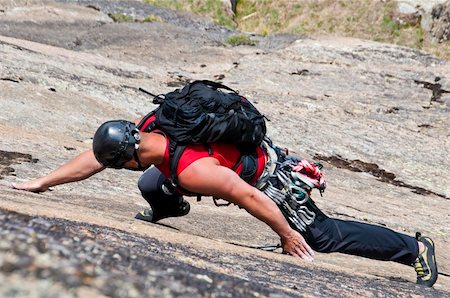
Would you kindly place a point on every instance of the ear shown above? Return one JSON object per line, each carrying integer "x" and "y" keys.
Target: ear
{"x": 131, "y": 165}
{"x": 136, "y": 135}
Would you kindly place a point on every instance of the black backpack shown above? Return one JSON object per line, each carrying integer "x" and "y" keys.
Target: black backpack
{"x": 200, "y": 113}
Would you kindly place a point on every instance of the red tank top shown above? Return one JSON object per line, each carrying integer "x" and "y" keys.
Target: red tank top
{"x": 227, "y": 155}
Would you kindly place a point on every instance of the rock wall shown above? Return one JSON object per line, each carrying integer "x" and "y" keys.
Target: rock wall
{"x": 375, "y": 114}
{"x": 440, "y": 25}
{"x": 434, "y": 16}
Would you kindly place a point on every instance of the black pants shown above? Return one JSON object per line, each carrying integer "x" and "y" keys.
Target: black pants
{"x": 325, "y": 234}
{"x": 159, "y": 195}
{"x": 150, "y": 182}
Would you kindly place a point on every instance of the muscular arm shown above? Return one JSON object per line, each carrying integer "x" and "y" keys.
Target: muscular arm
{"x": 79, "y": 168}
{"x": 206, "y": 176}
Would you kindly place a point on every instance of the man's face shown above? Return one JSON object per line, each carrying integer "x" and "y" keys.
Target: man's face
{"x": 131, "y": 165}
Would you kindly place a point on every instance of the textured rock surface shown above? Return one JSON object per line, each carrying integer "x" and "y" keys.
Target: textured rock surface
{"x": 433, "y": 14}
{"x": 374, "y": 112}
{"x": 440, "y": 28}
{"x": 87, "y": 260}
{"x": 426, "y": 5}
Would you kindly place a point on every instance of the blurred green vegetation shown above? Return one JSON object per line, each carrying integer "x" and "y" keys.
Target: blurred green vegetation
{"x": 365, "y": 19}
{"x": 240, "y": 39}
{"x": 121, "y": 18}
{"x": 124, "y": 18}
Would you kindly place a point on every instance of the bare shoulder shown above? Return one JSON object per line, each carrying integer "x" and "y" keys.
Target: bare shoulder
{"x": 200, "y": 170}
{"x": 208, "y": 177}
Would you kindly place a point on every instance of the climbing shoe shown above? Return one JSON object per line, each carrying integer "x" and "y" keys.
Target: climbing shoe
{"x": 145, "y": 215}
{"x": 175, "y": 210}
{"x": 425, "y": 264}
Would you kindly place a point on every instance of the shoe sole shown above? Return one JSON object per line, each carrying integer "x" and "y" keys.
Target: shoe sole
{"x": 430, "y": 246}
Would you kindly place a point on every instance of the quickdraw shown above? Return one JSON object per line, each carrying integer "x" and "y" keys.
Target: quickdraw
{"x": 291, "y": 195}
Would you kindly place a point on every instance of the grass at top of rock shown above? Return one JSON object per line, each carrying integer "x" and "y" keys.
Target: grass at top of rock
{"x": 124, "y": 18}
{"x": 152, "y": 18}
{"x": 210, "y": 8}
{"x": 239, "y": 40}
{"x": 365, "y": 19}
{"x": 121, "y": 18}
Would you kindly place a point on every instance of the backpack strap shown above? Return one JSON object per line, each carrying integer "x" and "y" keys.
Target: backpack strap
{"x": 175, "y": 152}
{"x": 249, "y": 163}
{"x": 215, "y": 85}
{"x": 144, "y": 120}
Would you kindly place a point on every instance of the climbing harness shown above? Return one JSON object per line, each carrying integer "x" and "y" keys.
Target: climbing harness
{"x": 288, "y": 181}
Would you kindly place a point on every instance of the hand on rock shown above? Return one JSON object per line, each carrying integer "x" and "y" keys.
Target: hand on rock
{"x": 34, "y": 185}
{"x": 295, "y": 245}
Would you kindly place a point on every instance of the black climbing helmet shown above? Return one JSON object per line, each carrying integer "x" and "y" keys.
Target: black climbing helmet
{"x": 115, "y": 143}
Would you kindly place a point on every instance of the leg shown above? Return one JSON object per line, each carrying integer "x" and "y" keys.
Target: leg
{"x": 162, "y": 203}
{"x": 327, "y": 235}
{"x": 333, "y": 235}
{"x": 361, "y": 239}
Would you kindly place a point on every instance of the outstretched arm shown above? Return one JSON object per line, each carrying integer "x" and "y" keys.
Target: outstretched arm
{"x": 206, "y": 176}
{"x": 79, "y": 168}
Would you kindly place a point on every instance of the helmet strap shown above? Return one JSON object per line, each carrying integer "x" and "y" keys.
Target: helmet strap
{"x": 137, "y": 138}
{"x": 136, "y": 158}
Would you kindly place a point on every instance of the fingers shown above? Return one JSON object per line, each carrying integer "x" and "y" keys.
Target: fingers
{"x": 17, "y": 185}
{"x": 297, "y": 246}
{"x": 310, "y": 251}
{"x": 302, "y": 254}
{"x": 306, "y": 249}
{"x": 31, "y": 185}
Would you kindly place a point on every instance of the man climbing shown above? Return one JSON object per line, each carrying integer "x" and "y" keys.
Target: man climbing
{"x": 268, "y": 183}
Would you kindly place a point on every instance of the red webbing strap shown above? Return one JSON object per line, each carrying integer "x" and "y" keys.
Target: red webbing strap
{"x": 143, "y": 125}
